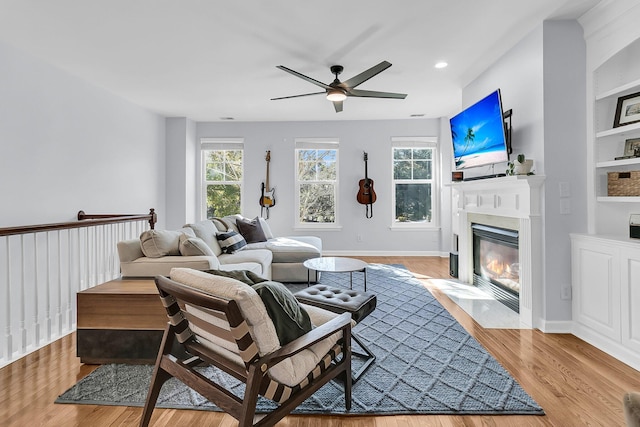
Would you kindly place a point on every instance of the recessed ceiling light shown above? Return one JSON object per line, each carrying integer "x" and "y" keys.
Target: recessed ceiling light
{"x": 441, "y": 64}
{"x": 227, "y": 118}
{"x": 417, "y": 115}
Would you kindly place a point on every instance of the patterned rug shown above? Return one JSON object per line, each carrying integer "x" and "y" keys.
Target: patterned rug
{"x": 426, "y": 364}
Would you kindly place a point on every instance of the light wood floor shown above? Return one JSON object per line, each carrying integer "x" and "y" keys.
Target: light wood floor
{"x": 576, "y": 384}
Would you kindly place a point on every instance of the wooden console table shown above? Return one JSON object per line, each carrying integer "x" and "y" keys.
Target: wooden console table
{"x": 121, "y": 321}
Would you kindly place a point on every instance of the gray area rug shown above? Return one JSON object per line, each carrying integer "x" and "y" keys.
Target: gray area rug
{"x": 426, "y": 364}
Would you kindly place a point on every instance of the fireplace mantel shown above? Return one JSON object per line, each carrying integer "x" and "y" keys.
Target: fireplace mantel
{"x": 512, "y": 196}
{"x": 510, "y": 202}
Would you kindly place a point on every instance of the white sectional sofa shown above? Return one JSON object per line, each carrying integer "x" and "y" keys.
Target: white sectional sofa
{"x": 198, "y": 246}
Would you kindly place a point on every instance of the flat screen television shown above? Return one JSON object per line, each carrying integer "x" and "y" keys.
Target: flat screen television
{"x": 478, "y": 134}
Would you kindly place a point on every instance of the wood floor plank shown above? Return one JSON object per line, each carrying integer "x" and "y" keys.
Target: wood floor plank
{"x": 575, "y": 383}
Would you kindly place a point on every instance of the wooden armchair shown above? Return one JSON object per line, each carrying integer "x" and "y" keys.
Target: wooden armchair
{"x": 222, "y": 322}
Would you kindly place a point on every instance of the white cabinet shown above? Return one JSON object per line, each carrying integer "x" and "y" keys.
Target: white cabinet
{"x": 606, "y": 294}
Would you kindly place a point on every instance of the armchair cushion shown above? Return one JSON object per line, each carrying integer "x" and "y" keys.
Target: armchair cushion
{"x": 245, "y": 276}
{"x": 290, "y": 371}
{"x": 289, "y": 318}
{"x": 159, "y": 243}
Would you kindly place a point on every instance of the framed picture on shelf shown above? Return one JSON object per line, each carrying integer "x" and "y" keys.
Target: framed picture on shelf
{"x": 627, "y": 110}
{"x": 632, "y": 147}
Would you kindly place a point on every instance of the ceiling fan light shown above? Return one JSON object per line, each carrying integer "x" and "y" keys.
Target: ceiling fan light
{"x": 336, "y": 95}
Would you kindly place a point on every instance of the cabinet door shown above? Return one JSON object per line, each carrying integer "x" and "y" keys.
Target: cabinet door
{"x": 596, "y": 286}
{"x": 630, "y": 294}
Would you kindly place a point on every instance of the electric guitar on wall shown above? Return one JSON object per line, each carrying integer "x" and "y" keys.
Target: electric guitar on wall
{"x": 366, "y": 194}
{"x": 268, "y": 197}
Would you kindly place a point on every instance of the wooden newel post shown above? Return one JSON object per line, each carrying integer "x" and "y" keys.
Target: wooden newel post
{"x": 153, "y": 219}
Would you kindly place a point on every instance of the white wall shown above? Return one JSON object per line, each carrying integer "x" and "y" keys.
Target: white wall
{"x": 542, "y": 80}
{"x": 564, "y": 155}
{"x": 355, "y": 137}
{"x": 66, "y": 146}
{"x": 180, "y": 169}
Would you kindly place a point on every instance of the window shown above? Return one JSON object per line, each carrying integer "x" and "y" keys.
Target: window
{"x": 222, "y": 178}
{"x": 316, "y": 183}
{"x": 414, "y": 169}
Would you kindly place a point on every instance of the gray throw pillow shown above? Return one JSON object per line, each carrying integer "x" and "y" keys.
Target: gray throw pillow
{"x": 251, "y": 230}
{"x": 194, "y": 246}
{"x": 289, "y": 318}
{"x": 244, "y": 276}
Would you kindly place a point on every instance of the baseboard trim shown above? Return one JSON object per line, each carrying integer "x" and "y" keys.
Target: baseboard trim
{"x": 386, "y": 253}
{"x": 556, "y": 326}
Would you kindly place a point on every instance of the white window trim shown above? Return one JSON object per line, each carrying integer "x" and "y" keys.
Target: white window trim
{"x": 316, "y": 144}
{"x": 418, "y": 142}
{"x": 207, "y": 144}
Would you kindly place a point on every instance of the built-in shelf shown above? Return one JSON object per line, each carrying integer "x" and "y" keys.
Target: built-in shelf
{"x": 619, "y": 130}
{"x": 619, "y": 90}
{"x": 615, "y": 163}
{"x": 619, "y": 199}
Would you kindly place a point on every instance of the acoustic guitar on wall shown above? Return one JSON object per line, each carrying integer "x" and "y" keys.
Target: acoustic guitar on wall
{"x": 268, "y": 197}
{"x": 366, "y": 194}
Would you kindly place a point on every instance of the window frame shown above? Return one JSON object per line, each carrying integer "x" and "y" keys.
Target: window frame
{"x": 417, "y": 142}
{"x": 316, "y": 144}
{"x": 217, "y": 144}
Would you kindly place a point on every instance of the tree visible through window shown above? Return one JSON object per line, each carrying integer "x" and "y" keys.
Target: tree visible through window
{"x": 413, "y": 184}
{"x": 222, "y": 182}
{"x": 317, "y": 185}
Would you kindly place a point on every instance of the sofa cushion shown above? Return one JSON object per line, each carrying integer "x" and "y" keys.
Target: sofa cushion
{"x": 151, "y": 267}
{"x": 287, "y": 250}
{"x": 262, "y": 256}
{"x": 193, "y": 246}
{"x": 230, "y": 242}
{"x": 159, "y": 243}
{"x": 289, "y": 318}
{"x": 251, "y": 230}
{"x": 206, "y": 230}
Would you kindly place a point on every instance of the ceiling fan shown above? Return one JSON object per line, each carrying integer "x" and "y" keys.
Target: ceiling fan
{"x": 338, "y": 91}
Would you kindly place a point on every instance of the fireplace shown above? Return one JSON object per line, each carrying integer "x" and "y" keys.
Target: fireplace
{"x": 496, "y": 267}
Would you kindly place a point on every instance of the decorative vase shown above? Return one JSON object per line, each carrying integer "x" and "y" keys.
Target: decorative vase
{"x": 522, "y": 168}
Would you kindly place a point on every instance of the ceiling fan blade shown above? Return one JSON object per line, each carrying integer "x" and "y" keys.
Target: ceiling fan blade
{"x": 375, "y": 94}
{"x": 366, "y": 75}
{"x": 303, "y": 77}
{"x": 297, "y": 96}
{"x": 337, "y": 105}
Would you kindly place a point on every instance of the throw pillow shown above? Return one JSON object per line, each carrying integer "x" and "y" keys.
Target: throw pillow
{"x": 289, "y": 318}
{"x": 194, "y": 246}
{"x": 265, "y": 228}
{"x": 230, "y": 242}
{"x": 244, "y": 276}
{"x": 159, "y": 243}
{"x": 251, "y": 230}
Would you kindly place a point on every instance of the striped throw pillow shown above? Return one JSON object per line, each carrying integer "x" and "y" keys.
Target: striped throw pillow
{"x": 231, "y": 242}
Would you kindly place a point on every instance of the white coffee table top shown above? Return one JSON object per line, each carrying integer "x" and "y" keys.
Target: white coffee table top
{"x": 335, "y": 264}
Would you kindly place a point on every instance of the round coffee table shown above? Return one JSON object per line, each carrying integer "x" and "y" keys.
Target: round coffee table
{"x": 337, "y": 265}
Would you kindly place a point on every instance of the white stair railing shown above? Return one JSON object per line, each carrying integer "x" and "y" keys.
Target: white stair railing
{"x": 46, "y": 265}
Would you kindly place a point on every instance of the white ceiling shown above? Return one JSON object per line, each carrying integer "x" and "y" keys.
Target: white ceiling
{"x": 210, "y": 59}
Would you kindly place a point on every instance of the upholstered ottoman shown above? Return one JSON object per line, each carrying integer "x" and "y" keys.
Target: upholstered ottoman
{"x": 337, "y": 300}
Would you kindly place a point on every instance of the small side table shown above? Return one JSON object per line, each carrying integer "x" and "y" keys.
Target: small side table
{"x": 337, "y": 265}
